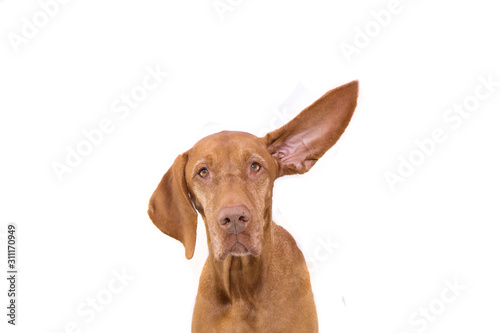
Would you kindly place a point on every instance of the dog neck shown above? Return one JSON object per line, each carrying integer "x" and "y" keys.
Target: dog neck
{"x": 242, "y": 277}
{"x": 239, "y": 277}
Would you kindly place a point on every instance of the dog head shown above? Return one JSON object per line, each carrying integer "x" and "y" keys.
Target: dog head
{"x": 228, "y": 177}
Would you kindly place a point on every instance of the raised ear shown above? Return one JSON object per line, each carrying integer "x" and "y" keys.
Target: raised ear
{"x": 170, "y": 207}
{"x": 302, "y": 141}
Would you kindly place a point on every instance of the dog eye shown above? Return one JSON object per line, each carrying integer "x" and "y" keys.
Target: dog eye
{"x": 203, "y": 173}
{"x": 255, "y": 167}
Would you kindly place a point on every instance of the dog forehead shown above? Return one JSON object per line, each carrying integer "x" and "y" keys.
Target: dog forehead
{"x": 228, "y": 144}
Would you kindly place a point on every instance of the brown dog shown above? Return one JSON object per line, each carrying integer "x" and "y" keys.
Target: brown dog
{"x": 255, "y": 278}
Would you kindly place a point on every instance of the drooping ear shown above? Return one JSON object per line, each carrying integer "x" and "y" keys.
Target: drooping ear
{"x": 170, "y": 207}
{"x": 302, "y": 141}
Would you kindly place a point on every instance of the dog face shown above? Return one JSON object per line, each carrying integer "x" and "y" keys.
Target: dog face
{"x": 228, "y": 177}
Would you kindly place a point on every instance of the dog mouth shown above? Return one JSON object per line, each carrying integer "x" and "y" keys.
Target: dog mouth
{"x": 238, "y": 249}
{"x": 239, "y": 246}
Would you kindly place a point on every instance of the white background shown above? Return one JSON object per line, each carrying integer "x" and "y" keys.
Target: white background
{"x": 395, "y": 248}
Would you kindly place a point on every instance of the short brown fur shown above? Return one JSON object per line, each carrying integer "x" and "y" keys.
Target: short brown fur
{"x": 255, "y": 278}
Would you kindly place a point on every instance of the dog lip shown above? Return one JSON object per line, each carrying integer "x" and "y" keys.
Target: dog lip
{"x": 239, "y": 249}
{"x": 238, "y": 246}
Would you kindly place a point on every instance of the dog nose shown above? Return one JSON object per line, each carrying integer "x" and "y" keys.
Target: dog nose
{"x": 234, "y": 219}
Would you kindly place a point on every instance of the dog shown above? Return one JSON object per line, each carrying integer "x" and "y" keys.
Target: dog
{"x": 255, "y": 278}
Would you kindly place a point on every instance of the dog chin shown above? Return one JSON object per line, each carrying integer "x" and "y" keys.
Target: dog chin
{"x": 238, "y": 249}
